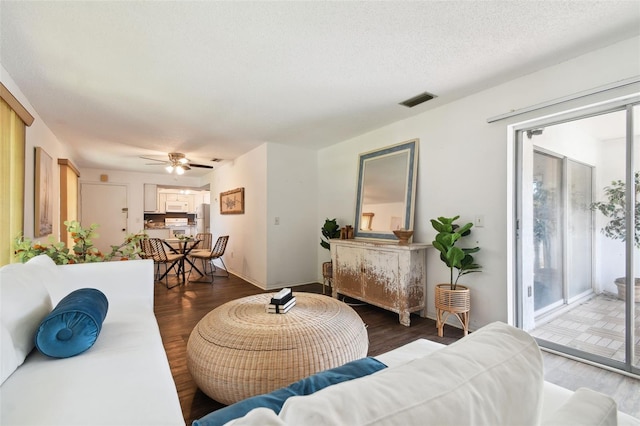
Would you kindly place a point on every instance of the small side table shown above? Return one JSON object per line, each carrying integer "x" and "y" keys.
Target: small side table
{"x": 456, "y": 302}
{"x": 327, "y": 275}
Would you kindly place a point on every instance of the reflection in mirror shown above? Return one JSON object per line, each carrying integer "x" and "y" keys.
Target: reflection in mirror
{"x": 386, "y": 190}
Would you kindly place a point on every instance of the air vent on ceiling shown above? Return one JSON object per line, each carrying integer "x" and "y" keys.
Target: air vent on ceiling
{"x": 417, "y": 100}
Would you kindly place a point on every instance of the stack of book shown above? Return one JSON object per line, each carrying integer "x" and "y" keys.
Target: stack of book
{"x": 281, "y": 302}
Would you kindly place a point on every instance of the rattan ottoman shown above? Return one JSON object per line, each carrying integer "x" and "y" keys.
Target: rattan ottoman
{"x": 239, "y": 350}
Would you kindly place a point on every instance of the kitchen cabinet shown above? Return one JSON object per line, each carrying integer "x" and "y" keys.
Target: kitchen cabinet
{"x": 188, "y": 198}
{"x": 162, "y": 202}
{"x": 384, "y": 274}
{"x": 150, "y": 197}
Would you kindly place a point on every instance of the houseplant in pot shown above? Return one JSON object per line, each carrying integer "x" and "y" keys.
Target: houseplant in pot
{"x": 613, "y": 208}
{"x": 451, "y": 297}
{"x": 83, "y": 250}
{"x": 329, "y": 230}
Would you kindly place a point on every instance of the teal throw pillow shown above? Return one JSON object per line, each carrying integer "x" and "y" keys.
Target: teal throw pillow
{"x": 74, "y": 324}
{"x": 276, "y": 399}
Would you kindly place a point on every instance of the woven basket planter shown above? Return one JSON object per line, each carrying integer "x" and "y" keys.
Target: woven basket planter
{"x": 456, "y": 302}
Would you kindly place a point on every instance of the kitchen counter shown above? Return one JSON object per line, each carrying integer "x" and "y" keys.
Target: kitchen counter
{"x": 169, "y": 227}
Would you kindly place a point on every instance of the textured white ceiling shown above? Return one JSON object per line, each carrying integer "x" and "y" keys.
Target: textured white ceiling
{"x": 117, "y": 80}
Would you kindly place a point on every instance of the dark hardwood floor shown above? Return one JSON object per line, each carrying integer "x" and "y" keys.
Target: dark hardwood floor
{"x": 179, "y": 309}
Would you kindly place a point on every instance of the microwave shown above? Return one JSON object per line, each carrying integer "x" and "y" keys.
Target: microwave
{"x": 176, "y": 207}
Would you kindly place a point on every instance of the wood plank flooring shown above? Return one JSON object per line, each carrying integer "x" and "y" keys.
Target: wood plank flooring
{"x": 179, "y": 309}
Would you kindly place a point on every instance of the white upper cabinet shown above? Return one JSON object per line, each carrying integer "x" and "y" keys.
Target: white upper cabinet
{"x": 150, "y": 197}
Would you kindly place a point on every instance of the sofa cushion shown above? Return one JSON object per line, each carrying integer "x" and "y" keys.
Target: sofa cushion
{"x": 274, "y": 400}
{"x": 24, "y": 302}
{"x": 74, "y": 325}
{"x": 8, "y": 359}
{"x": 492, "y": 376}
{"x": 585, "y": 407}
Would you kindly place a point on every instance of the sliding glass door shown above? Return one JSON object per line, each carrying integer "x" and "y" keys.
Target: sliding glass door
{"x": 578, "y": 233}
{"x": 562, "y": 230}
{"x": 548, "y": 232}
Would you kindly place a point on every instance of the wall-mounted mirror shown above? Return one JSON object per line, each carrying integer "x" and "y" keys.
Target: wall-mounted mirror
{"x": 386, "y": 190}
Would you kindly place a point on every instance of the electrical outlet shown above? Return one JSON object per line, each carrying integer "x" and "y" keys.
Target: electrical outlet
{"x": 277, "y": 221}
{"x": 479, "y": 221}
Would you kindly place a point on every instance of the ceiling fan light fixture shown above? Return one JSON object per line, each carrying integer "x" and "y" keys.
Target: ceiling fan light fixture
{"x": 180, "y": 170}
{"x": 183, "y": 160}
{"x": 169, "y": 168}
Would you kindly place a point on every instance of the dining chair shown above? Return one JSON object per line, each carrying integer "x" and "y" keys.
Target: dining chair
{"x": 208, "y": 257}
{"x": 205, "y": 239}
{"x": 153, "y": 248}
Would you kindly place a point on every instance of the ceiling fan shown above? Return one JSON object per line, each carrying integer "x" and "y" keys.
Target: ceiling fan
{"x": 177, "y": 163}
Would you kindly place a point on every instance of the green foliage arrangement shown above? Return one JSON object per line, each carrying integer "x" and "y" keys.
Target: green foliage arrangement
{"x": 454, "y": 257}
{"x": 330, "y": 229}
{"x": 614, "y": 209}
{"x": 83, "y": 250}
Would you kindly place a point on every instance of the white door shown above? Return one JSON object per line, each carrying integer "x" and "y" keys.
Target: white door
{"x": 105, "y": 205}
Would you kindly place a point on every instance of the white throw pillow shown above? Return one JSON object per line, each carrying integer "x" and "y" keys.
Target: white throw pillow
{"x": 24, "y": 302}
{"x": 494, "y": 376}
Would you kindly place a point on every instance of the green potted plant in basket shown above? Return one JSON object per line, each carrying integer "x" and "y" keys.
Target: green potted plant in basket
{"x": 613, "y": 208}
{"x": 329, "y": 230}
{"x": 451, "y": 297}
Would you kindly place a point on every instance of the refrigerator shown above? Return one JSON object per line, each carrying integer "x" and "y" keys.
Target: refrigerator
{"x": 203, "y": 217}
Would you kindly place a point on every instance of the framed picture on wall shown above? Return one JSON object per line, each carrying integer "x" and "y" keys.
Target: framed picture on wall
{"x": 43, "y": 193}
{"x": 232, "y": 202}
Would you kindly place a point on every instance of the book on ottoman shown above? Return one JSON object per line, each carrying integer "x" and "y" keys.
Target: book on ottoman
{"x": 281, "y": 309}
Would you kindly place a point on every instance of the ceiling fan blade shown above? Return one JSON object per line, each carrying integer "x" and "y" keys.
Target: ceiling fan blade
{"x": 154, "y": 159}
{"x": 202, "y": 166}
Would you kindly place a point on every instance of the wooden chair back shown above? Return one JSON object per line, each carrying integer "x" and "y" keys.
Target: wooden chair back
{"x": 205, "y": 240}
{"x": 220, "y": 247}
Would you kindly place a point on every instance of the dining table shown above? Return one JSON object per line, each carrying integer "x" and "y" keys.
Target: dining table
{"x": 183, "y": 246}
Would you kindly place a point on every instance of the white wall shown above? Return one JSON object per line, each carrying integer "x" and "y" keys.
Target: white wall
{"x": 291, "y": 245}
{"x": 246, "y": 253}
{"x": 465, "y": 168}
{"x": 279, "y": 182}
{"x": 37, "y": 135}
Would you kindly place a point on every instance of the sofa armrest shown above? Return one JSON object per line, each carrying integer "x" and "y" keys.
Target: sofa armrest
{"x": 125, "y": 283}
{"x": 585, "y": 407}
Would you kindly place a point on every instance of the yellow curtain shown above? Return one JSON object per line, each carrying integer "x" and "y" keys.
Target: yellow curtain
{"x": 12, "y": 133}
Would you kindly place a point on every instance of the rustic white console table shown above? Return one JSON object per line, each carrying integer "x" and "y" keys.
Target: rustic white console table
{"x": 384, "y": 274}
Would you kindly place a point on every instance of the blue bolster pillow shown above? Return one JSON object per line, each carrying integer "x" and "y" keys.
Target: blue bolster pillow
{"x": 74, "y": 325}
{"x": 276, "y": 399}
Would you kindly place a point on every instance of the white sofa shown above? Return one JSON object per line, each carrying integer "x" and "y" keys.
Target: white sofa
{"x": 123, "y": 379}
{"x": 492, "y": 377}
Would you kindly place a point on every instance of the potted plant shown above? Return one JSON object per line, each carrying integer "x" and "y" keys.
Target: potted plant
{"x": 83, "y": 250}
{"x": 329, "y": 230}
{"x": 613, "y": 208}
{"x": 451, "y": 297}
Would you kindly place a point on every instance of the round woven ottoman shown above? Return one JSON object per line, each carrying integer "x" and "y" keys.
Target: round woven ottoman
{"x": 239, "y": 350}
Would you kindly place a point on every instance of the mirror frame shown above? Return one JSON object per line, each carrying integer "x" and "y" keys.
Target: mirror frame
{"x": 411, "y": 147}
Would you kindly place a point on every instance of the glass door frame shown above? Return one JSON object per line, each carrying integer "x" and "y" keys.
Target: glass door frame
{"x": 515, "y": 136}
{"x": 567, "y": 298}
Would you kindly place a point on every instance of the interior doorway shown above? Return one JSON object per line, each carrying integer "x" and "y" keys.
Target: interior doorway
{"x": 105, "y": 205}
